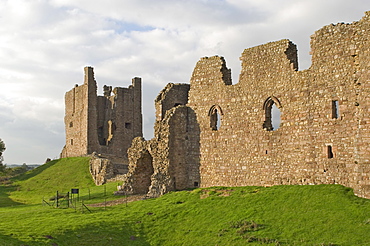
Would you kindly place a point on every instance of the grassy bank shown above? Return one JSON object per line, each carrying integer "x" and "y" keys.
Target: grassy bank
{"x": 60, "y": 176}
{"x": 279, "y": 215}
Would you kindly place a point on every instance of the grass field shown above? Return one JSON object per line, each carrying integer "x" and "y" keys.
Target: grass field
{"x": 61, "y": 175}
{"x": 278, "y": 215}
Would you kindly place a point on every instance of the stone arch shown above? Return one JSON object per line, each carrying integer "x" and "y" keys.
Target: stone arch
{"x": 268, "y": 107}
{"x": 215, "y": 113}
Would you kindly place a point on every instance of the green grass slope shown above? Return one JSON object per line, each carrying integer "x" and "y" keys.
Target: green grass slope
{"x": 278, "y": 215}
{"x": 58, "y": 175}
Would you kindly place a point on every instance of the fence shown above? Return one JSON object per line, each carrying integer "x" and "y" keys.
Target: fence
{"x": 74, "y": 198}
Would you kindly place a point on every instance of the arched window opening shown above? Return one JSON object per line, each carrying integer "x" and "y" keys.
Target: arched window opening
{"x": 272, "y": 114}
{"x": 215, "y": 120}
{"x": 275, "y": 111}
{"x": 218, "y": 121}
{"x": 215, "y": 117}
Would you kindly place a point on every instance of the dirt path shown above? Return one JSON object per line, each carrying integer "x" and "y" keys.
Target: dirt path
{"x": 118, "y": 201}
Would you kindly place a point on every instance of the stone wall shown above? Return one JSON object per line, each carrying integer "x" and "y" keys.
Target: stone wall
{"x": 104, "y": 168}
{"x": 169, "y": 161}
{"x": 277, "y": 125}
{"x": 324, "y": 131}
{"x": 102, "y": 124}
{"x": 171, "y": 96}
{"x": 78, "y": 102}
{"x": 101, "y": 169}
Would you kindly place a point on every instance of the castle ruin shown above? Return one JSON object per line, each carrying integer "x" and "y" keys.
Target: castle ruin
{"x": 105, "y": 125}
{"x": 215, "y": 133}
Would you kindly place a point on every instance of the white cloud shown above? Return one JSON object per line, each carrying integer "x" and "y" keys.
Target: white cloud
{"x": 31, "y": 128}
{"x": 176, "y": 15}
{"x": 44, "y": 46}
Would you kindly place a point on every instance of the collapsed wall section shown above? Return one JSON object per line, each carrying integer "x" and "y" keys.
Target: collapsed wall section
{"x": 171, "y": 96}
{"x": 172, "y": 156}
{"x": 140, "y": 169}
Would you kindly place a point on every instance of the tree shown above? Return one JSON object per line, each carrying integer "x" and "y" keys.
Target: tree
{"x": 2, "y": 149}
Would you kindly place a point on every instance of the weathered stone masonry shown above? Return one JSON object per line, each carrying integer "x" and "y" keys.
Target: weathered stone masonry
{"x": 102, "y": 124}
{"x": 313, "y": 145}
{"x": 215, "y": 133}
{"x": 225, "y": 130}
{"x": 169, "y": 161}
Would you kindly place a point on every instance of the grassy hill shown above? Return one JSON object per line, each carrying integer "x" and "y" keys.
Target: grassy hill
{"x": 58, "y": 175}
{"x": 279, "y": 215}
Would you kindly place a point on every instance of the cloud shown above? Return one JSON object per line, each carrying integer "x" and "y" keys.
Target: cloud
{"x": 45, "y": 44}
{"x": 30, "y": 129}
{"x": 175, "y": 15}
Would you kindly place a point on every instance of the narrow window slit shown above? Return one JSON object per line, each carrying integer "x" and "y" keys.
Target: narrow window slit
{"x": 335, "y": 109}
{"x": 330, "y": 151}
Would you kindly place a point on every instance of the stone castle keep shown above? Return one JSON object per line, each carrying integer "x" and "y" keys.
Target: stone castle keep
{"x": 102, "y": 124}
{"x": 215, "y": 133}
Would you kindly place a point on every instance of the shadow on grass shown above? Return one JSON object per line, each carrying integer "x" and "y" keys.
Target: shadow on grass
{"x": 9, "y": 241}
{"x": 5, "y": 201}
{"x": 102, "y": 234}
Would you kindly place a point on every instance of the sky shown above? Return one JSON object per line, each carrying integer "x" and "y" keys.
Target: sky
{"x": 44, "y": 46}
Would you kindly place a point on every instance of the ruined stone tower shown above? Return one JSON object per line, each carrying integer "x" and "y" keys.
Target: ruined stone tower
{"x": 102, "y": 124}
